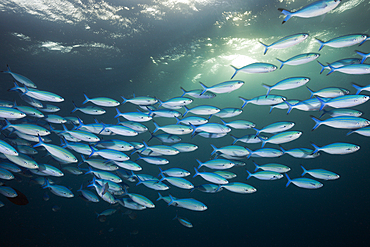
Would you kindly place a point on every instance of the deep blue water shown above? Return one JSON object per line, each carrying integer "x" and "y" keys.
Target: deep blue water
{"x": 152, "y": 48}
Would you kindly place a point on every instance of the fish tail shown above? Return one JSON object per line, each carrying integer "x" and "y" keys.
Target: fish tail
{"x": 15, "y": 87}
{"x": 268, "y": 89}
{"x": 281, "y": 61}
{"x": 124, "y": 100}
{"x": 156, "y": 127}
{"x": 6, "y": 71}
{"x": 321, "y": 102}
{"x": 245, "y": 101}
{"x": 40, "y": 142}
{"x": 363, "y": 55}
{"x": 214, "y": 150}
{"x": 205, "y": 88}
{"x": 183, "y": 91}
{"x": 236, "y": 71}
{"x": 249, "y": 174}
{"x": 250, "y": 152}
{"x": 317, "y": 122}
{"x": 46, "y": 183}
{"x": 92, "y": 151}
{"x": 160, "y": 103}
{"x": 317, "y": 148}
{"x": 75, "y": 107}
{"x": 257, "y": 131}
{"x": 171, "y": 201}
{"x": 266, "y": 48}
{"x": 176, "y": 217}
{"x": 287, "y": 13}
{"x": 196, "y": 172}
{"x": 304, "y": 171}
{"x": 186, "y": 111}
{"x": 271, "y": 108}
{"x": 323, "y": 113}
{"x": 332, "y": 69}
{"x": 263, "y": 141}
{"x": 312, "y": 92}
{"x": 200, "y": 164}
{"x": 257, "y": 166}
{"x": 289, "y": 180}
{"x": 357, "y": 87}
{"x": 282, "y": 149}
{"x": 322, "y": 43}
{"x": 118, "y": 113}
{"x": 8, "y": 124}
{"x": 86, "y": 99}
{"x": 350, "y": 132}
{"x": 323, "y": 67}
{"x": 160, "y": 197}
{"x": 235, "y": 139}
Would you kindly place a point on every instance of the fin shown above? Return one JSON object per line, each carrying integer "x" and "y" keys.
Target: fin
{"x": 205, "y": 88}
{"x": 118, "y": 113}
{"x": 357, "y": 87}
{"x": 245, "y": 101}
{"x": 249, "y": 174}
{"x": 322, "y": 103}
{"x": 214, "y": 150}
{"x": 86, "y": 99}
{"x": 156, "y": 127}
{"x": 289, "y": 180}
{"x": 332, "y": 69}
{"x": 235, "y": 139}
{"x": 268, "y": 89}
{"x": 363, "y": 55}
{"x": 317, "y": 122}
{"x": 160, "y": 196}
{"x": 312, "y": 92}
{"x": 304, "y": 171}
{"x": 322, "y": 43}
{"x": 350, "y": 132}
{"x": 236, "y": 71}
{"x": 257, "y": 166}
{"x": 287, "y": 13}
{"x": 186, "y": 111}
{"x": 317, "y": 148}
{"x": 200, "y": 164}
{"x": 196, "y": 172}
{"x": 266, "y": 47}
{"x": 323, "y": 67}
{"x": 183, "y": 91}
{"x": 281, "y": 61}
{"x": 74, "y": 109}
{"x": 124, "y": 100}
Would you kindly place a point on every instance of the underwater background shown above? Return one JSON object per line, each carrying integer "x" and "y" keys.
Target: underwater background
{"x": 152, "y": 48}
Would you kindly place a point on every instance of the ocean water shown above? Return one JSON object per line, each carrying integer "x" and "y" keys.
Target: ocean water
{"x": 152, "y": 48}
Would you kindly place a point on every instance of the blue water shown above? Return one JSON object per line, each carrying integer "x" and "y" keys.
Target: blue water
{"x": 152, "y": 48}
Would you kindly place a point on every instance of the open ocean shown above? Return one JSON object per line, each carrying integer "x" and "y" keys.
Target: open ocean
{"x": 131, "y": 48}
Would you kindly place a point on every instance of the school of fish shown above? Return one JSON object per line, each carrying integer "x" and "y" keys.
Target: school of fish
{"x": 100, "y": 153}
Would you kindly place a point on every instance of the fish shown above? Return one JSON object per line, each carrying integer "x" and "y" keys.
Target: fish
{"x": 29, "y": 129}
{"x": 140, "y": 100}
{"x": 265, "y": 175}
{"x": 211, "y": 177}
{"x": 8, "y": 191}
{"x": 58, "y": 190}
{"x": 314, "y": 9}
{"x": 344, "y": 101}
{"x": 299, "y": 59}
{"x": 177, "y": 181}
{"x": 228, "y": 112}
{"x": 187, "y": 203}
{"x": 336, "y": 148}
{"x": 232, "y": 150}
{"x": 217, "y": 164}
{"x": 38, "y": 94}
{"x": 101, "y": 101}
{"x": 286, "y": 42}
{"x": 340, "y": 63}
{"x": 283, "y": 137}
{"x": 352, "y": 69}
{"x": 174, "y": 129}
{"x": 198, "y": 94}
{"x": 288, "y": 83}
{"x": 342, "y": 112}
{"x": 90, "y": 110}
{"x": 175, "y": 103}
{"x": 183, "y": 221}
{"x": 263, "y": 100}
{"x": 274, "y": 167}
{"x": 57, "y": 151}
{"x": 88, "y": 195}
{"x": 240, "y": 188}
{"x": 320, "y": 174}
{"x": 365, "y": 131}
{"x": 275, "y": 128}
{"x": 343, "y": 41}
{"x": 254, "y": 68}
{"x": 302, "y": 153}
{"x": 20, "y": 78}
{"x": 223, "y": 87}
{"x": 202, "y": 110}
{"x": 5, "y": 174}
{"x": 134, "y": 116}
{"x": 329, "y": 92}
{"x": 305, "y": 183}
{"x": 153, "y": 184}
{"x": 7, "y": 149}
{"x": 342, "y": 122}
{"x": 239, "y": 124}
{"x": 175, "y": 172}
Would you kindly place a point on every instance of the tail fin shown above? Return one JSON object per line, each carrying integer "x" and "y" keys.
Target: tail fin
{"x": 235, "y": 139}
{"x": 350, "y": 132}
{"x": 357, "y": 87}
{"x": 124, "y": 100}
{"x": 196, "y": 172}
{"x": 281, "y": 61}
{"x": 257, "y": 131}
{"x": 266, "y": 48}
{"x": 323, "y": 103}
{"x": 245, "y": 101}
{"x": 40, "y": 142}
{"x": 205, "y": 88}
{"x": 322, "y": 43}
{"x": 160, "y": 197}
{"x": 118, "y": 113}
{"x": 156, "y": 127}
{"x": 304, "y": 171}
{"x": 363, "y": 55}
{"x": 317, "y": 122}
{"x": 268, "y": 89}
{"x": 323, "y": 67}
{"x": 183, "y": 91}
{"x": 214, "y": 150}
{"x": 257, "y": 166}
{"x": 312, "y": 92}
{"x": 236, "y": 71}
{"x": 75, "y": 107}
{"x": 186, "y": 111}
{"x": 289, "y": 180}
{"x": 332, "y": 69}
{"x": 200, "y": 164}
{"x": 317, "y": 148}
{"x": 287, "y": 13}
{"x": 249, "y": 174}
{"x": 86, "y": 99}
